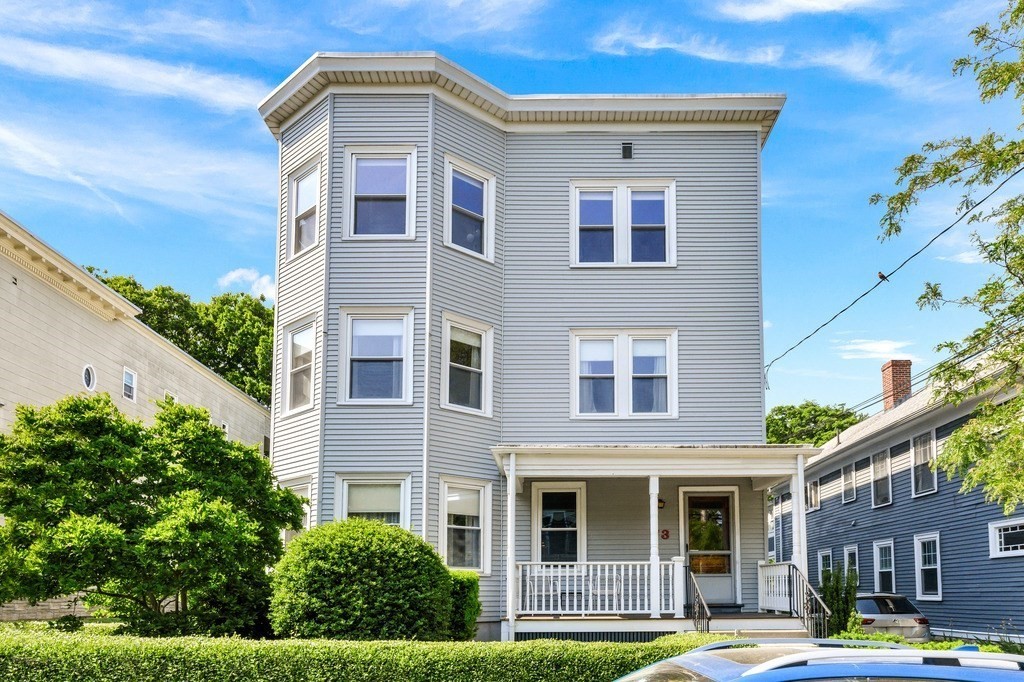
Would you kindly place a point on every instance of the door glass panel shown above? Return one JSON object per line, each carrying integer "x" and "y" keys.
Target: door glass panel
{"x": 709, "y": 534}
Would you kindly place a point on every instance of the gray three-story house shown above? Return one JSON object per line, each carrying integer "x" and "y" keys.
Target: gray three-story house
{"x": 529, "y": 329}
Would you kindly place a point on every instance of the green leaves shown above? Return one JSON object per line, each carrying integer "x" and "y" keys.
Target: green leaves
{"x": 808, "y": 422}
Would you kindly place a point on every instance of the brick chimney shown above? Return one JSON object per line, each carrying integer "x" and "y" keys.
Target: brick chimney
{"x": 895, "y": 382}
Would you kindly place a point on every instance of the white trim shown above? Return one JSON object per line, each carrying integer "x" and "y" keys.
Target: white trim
{"x": 486, "y": 332}
{"x": 621, "y": 189}
{"x": 300, "y": 173}
{"x": 622, "y": 347}
{"x": 856, "y": 562}
{"x": 486, "y": 522}
{"x": 931, "y": 459}
{"x": 350, "y": 313}
{"x": 822, "y": 553}
{"x": 918, "y": 539}
{"x": 134, "y": 397}
{"x": 354, "y": 152}
{"x": 488, "y": 179}
{"x": 734, "y": 494}
{"x": 578, "y": 487}
{"x": 92, "y": 372}
{"x": 852, "y": 466}
{"x": 993, "y": 538}
{"x": 888, "y": 477}
{"x": 288, "y": 331}
{"x": 402, "y": 479}
{"x": 892, "y": 549}
{"x": 305, "y": 483}
{"x": 812, "y": 495}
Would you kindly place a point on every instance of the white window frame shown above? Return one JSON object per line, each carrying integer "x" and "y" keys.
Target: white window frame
{"x": 888, "y": 466}
{"x": 913, "y": 466}
{"x": 348, "y": 314}
{"x": 621, "y": 220}
{"x": 993, "y": 538}
{"x": 404, "y": 481}
{"x": 300, "y": 173}
{"x": 286, "y": 379}
{"x": 892, "y": 549}
{"x": 135, "y": 384}
{"x": 822, "y": 553}
{"x": 352, "y": 153}
{"x": 452, "y": 163}
{"x": 578, "y": 487}
{"x": 303, "y": 487}
{"x": 485, "y": 488}
{"x": 92, "y": 373}
{"x": 854, "y": 551}
{"x": 852, "y": 467}
{"x": 771, "y": 545}
{"x": 486, "y": 333}
{"x": 812, "y": 495}
{"x": 918, "y": 539}
{"x": 623, "y": 348}
{"x": 224, "y": 428}
{"x": 170, "y": 396}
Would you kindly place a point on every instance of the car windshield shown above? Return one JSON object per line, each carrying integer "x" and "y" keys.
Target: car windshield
{"x": 885, "y": 605}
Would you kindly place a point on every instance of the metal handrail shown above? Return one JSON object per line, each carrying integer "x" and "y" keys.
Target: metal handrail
{"x": 808, "y": 605}
{"x": 701, "y": 612}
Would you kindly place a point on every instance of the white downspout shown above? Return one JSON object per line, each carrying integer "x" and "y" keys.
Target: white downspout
{"x": 510, "y": 561}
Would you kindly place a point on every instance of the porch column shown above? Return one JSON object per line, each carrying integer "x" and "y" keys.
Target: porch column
{"x": 798, "y": 503}
{"x": 652, "y": 489}
{"x": 510, "y": 561}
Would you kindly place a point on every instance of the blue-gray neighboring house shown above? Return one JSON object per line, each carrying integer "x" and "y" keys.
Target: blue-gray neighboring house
{"x": 874, "y": 504}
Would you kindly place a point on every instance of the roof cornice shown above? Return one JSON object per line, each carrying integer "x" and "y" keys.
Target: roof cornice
{"x": 431, "y": 71}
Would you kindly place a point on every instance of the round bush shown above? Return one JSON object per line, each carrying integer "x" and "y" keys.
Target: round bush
{"x": 359, "y": 579}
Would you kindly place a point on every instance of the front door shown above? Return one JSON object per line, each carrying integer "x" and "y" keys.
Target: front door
{"x": 709, "y": 541}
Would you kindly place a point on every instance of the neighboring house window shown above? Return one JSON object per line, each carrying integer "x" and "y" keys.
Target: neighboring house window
{"x": 849, "y": 483}
{"x": 466, "y": 514}
{"x": 925, "y": 479}
{"x": 881, "y": 479}
{"x": 824, "y": 564}
{"x": 378, "y": 362}
{"x": 266, "y": 446}
{"x": 560, "y": 522}
{"x": 623, "y": 223}
{"x": 466, "y": 379}
{"x": 129, "y": 384}
{"x": 469, "y": 208}
{"x": 1006, "y": 538}
{"x": 927, "y": 567}
{"x": 885, "y": 566}
{"x": 89, "y": 377}
{"x": 304, "y": 187}
{"x": 851, "y": 560}
{"x": 300, "y": 366}
{"x": 377, "y": 497}
{"x": 624, "y": 373}
{"x": 224, "y": 427}
{"x": 382, "y": 190}
{"x": 302, "y": 489}
{"x": 170, "y": 397}
{"x": 812, "y": 495}
{"x": 771, "y": 536}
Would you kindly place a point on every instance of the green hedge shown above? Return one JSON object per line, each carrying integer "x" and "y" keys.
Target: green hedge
{"x": 465, "y": 604}
{"x": 28, "y": 656}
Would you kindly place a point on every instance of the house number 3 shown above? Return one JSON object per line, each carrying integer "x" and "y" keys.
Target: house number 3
{"x": 664, "y": 534}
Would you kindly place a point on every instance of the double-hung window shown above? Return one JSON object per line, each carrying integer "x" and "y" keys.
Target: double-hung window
{"x": 623, "y": 223}
{"x": 302, "y": 489}
{"x": 927, "y": 567}
{"x": 885, "y": 566}
{"x": 1006, "y": 538}
{"x": 925, "y": 478}
{"x": 129, "y": 384}
{"x": 469, "y": 208}
{"x": 824, "y": 564}
{"x": 624, "y": 373}
{"x": 812, "y": 495}
{"x": 381, "y": 192}
{"x": 849, "y": 483}
{"x": 375, "y": 497}
{"x": 466, "y": 514}
{"x": 466, "y": 378}
{"x": 304, "y": 190}
{"x": 881, "y": 479}
{"x": 300, "y": 343}
{"x": 851, "y": 560}
{"x": 560, "y": 522}
{"x": 378, "y": 367}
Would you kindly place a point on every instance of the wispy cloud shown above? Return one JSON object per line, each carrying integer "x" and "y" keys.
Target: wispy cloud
{"x": 776, "y": 10}
{"x": 134, "y": 75}
{"x": 257, "y": 284}
{"x": 862, "y": 61}
{"x": 441, "y": 20}
{"x": 767, "y": 324}
{"x": 874, "y": 349}
{"x": 822, "y": 374}
{"x": 964, "y": 257}
{"x": 625, "y": 37}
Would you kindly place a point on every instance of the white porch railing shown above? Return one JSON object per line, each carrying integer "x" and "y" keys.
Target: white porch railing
{"x": 592, "y": 588}
{"x": 774, "y": 592}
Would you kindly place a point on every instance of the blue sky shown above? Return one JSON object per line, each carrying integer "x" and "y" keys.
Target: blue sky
{"x": 129, "y": 137}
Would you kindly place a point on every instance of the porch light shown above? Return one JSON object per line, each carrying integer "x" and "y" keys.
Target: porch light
{"x": 661, "y": 503}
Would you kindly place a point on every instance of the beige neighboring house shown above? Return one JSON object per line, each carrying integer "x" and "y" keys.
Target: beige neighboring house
{"x": 65, "y": 332}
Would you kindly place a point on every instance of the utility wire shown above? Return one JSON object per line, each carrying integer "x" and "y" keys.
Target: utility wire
{"x": 899, "y": 267}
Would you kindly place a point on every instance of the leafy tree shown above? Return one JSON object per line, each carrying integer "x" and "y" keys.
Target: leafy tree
{"x": 808, "y": 422}
{"x": 989, "y": 362}
{"x": 139, "y": 517}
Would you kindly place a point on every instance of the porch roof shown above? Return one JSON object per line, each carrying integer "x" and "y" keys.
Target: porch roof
{"x": 765, "y": 465}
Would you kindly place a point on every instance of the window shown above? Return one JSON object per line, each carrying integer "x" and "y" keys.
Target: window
{"x": 560, "y": 522}
{"x": 812, "y": 495}
{"x": 224, "y": 427}
{"x": 849, "y": 483}
{"x": 824, "y": 564}
{"x": 623, "y": 223}
{"x": 266, "y": 446}
{"x": 925, "y": 479}
{"x": 304, "y": 188}
{"x": 89, "y": 378}
{"x": 466, "y": 514}
{"x": 1006, "y": 538}
{"x": 927, "y": 567}
{"x": 885, "y": 566}
{"x": 300, "y": 367}
{"x": 129, "y": 384}
{"x": 302, "y": 489}
{"x": 377, "y": 497}
{"x": 378, "y": 366}
{"x": 624, "y": 373}
{"x": 382, "y": 191}
{"x": 469, "y": 208}
{"x": 881, "y": 479}
{"x": 170, "y": 397}
{"x": 466, "y": 380}
{"x": 851, "y": 560}
{"x": 771, "y": 536}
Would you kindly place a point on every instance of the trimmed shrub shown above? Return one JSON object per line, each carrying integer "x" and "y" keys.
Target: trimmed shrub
{"x": 839, "y": 592}
{"x": 465, "y": 604}
{"x": 359, "y": 579}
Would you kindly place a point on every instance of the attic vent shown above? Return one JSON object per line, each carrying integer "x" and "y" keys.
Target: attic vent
{"x": 627, "y": 150}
